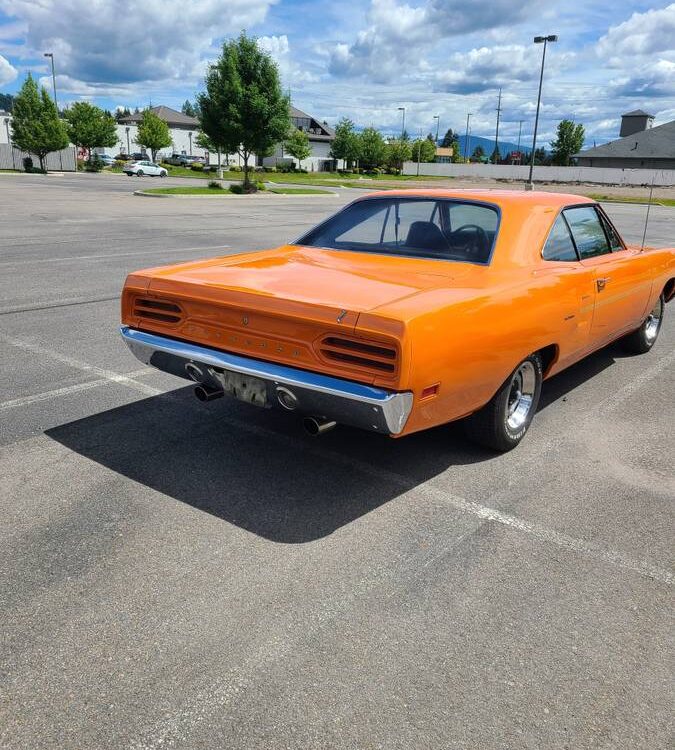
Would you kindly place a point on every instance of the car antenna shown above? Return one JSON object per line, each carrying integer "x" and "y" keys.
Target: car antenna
{"x": 649, "y": 205}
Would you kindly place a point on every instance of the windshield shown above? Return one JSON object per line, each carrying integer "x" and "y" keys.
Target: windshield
{"x": 440, "y": 228}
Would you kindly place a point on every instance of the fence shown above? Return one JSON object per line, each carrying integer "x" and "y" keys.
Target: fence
{"x": 596, "y": 175}
{"x": 62, "y": 161}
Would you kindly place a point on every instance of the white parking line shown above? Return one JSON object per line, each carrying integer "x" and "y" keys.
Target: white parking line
{"x": 485, "y": 513}
{"x": 109, "y": 375}
{"x": 67, "y": 390}
{"x": 162, "y": 251}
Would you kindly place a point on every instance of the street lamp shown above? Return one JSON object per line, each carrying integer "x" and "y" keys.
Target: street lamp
{"x": 538, "y": 40}
{"x": 438, "y": 125}
{"x": 51, "y": 56}
{"x": 402, "y": 109}
{"x": 466, "y": 137}
{"x": 128, "y": 145}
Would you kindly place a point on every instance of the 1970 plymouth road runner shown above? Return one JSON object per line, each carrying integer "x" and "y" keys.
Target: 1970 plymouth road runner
{"x": 406, "y": 310}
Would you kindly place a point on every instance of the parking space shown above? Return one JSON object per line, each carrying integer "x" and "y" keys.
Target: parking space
{"x": 188, "y": 575}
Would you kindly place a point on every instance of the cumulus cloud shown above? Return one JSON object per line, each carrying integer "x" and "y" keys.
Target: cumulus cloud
{"x": 122, "y": 41}
{"x": 488, "y": 68}
{"x": 280, "y": 49}
{"x": 7, "y": 71}
{"x": 398, "y": 34}
{"x": 650, "y": 34}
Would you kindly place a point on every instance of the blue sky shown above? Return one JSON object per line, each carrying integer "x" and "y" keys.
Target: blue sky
{"x": 364, "y": 59}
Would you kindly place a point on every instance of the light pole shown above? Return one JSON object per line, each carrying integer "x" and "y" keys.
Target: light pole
{"x": 402, "y": 109}
{"x": 466, "y": 137}
{"x": 438, "y": 125}
{"x": 190, "y": 137}
{"x": 520, "y": 130}
{"x": 128, "y": 146}
{"x": 538, "y": 40}
{"x": 51, "y": 56}
{"x": 499, "y": 111}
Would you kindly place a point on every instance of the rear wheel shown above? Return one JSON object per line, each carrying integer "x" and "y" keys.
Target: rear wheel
{"x": 642, "y": 340}
{"x": 502, "y": 423}
{"x": 139, "y": 173}
{"x": 162, "y": 173}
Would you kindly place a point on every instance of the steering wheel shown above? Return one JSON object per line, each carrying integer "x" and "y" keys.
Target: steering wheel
{"x": 474, "y": 244}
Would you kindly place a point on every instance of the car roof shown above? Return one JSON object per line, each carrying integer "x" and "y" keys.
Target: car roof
{"x": 501, "y": 198}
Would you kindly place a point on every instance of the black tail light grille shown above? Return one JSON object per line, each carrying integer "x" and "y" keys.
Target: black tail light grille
{"x": 161, "y": 311}
{"x": 374, "y": 357}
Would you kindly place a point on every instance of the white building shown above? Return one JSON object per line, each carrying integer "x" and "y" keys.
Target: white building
{"x": 320, "y": 135}
{"x": 183, "y": 130}
{"x": 5, "y": 125}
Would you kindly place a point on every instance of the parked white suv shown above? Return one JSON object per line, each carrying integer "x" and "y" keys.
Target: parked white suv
{"x": 139, "y": 168}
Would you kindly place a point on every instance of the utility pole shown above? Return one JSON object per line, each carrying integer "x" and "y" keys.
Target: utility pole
{"x": 520, "y": 130}
{"x": 499, "y": 109}
{"x": 402, "y": 109}
{"x": 438, "y": 124}
{"x": 466, "y": 137}
{"x": 51, "y": 56}
{"x": 538, "y": 40}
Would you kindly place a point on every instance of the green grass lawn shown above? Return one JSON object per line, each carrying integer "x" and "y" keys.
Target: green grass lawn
{"x": 225, "y": 191}
{"x": 299, "y": 191}
{"x": 631, "y": 199}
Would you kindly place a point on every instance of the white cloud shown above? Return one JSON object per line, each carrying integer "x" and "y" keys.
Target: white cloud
{"x": 292, "y": 73}
{"x": 122, "y": 41}
{"x": 647, "y": 34}
{"x": 7, "y": 71}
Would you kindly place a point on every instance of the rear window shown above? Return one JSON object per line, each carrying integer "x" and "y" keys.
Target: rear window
{"x": 417, "y": 227}
{"x": 589, "y": 235}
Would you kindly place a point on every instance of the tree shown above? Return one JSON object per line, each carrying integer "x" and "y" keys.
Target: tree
{"x": 448, "y": 138}
{"x": 496, "y": 156}
{"x": 456, "y": 151}
{"x": 243, "y": 108}
{"x": 430, "y": 137}
{"x": 569, "y": 141}
{"x": 478, "y": 153}
{"x": 121, "y": 113}
{"x": 398, "y": 151}
{"x": 188, "y": 109}
{"x": 36, "y": 127}
{"x": 423, "y": 150}
{"x": 6, "y": 101}
{"x": 153, "y": 133}
{"x": 347, "y": 144}
{"x": 297, "y": 144}
{"x": 89, "y": 126}
{"x": 373, "y": 148}
{"x": 540, "y": 155}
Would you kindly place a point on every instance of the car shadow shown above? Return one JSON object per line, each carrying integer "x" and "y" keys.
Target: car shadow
{"x": 257, "y": 469}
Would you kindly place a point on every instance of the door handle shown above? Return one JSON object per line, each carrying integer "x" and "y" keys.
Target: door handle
{"x": 602, "y": 283}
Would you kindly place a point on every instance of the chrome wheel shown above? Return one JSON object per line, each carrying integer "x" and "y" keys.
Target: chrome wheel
{"x": 521, "y": 396}
{"x": 653, "y": 322}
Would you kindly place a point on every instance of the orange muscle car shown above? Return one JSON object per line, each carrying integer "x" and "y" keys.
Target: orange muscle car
{"x": 406, "y": 310}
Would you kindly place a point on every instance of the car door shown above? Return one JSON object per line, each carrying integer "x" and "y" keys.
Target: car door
{"x": 621, "y": 283}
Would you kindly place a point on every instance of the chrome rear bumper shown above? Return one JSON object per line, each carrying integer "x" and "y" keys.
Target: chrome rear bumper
{"x": 314, "y": 394}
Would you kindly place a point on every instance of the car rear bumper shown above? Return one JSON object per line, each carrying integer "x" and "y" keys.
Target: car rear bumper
{"x": 311, "y": 393}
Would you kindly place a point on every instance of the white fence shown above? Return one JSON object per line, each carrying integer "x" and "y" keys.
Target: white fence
{"x": 61, "y": 161}
{"x": 597, "y": 175}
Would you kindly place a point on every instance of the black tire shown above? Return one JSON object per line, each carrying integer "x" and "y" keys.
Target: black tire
{"x": 162, "y": 174}
{"x": 502, "y": 423}
{"x": 139, "y": 173}
{"x": 642, "y": 340}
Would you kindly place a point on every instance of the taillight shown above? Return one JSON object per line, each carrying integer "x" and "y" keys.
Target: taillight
{"x": 161, "y": 311}
{"x": 377, "y": 357}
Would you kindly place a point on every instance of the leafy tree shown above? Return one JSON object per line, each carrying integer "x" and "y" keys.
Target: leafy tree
{"x": 153, "y": 133}
{"x": 495, "y": 157}
{"x": 243, "y": 108}
{"x": 540, "y": 156}
{"x": 405, "y": 136}
{"x": 89, "y": 126}
{"x": 120, "y": 114}
{"x": 36, "y": 127}
{"x": 373, "y": 148}
{"x": 478, "y": 153}
{"x": 347, "y": 144}
{"x": 6, "y": 101}
{"x": 203, "y": 141}
{"x": 188, "y": 109}
{"x": 569, "y": 141}
{"x": 430, "y": 137}
{"x": 456, "y": 151}
{"x": 297, "y": 144}
{"x": 398, "y": 151}
{"x": 448, "y": 138}
{"x": 423, "y": 150}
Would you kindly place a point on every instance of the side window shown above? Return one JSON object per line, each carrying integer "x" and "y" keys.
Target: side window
{"x": 559, "y": 245}
{"x": 589, "y": 236}
{"x": 461, "y": 214}
{"x": 614, "y": 240}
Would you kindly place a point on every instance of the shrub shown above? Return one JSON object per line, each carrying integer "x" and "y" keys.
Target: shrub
{"x": 27, "y": 164}
{"x": 237, "y": 188}
{"x": 197, "y": 166}
{"x": 260, "y": 186}
{"x": 215, "y": 185}
{"x": 286, "y": 167}
{"x": 93, "y": 165}
{"x": 235, "y": 168}
{"x": 119, "y": 163}
{"x": 80, "y": 165}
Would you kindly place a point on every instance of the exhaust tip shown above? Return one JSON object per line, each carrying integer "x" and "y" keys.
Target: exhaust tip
{"x": 316, "y": 426}
{"x": 204, "y": 393}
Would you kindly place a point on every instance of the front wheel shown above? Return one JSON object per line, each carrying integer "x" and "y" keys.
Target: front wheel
{"x": 502, "y": 423}
{"x": 162, "y": 174}
{"x": 642, "y": 340}
{"x": 139, "y": 173}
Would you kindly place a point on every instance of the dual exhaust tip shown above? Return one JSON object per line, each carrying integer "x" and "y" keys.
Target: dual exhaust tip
{"x": 313, "y": 426}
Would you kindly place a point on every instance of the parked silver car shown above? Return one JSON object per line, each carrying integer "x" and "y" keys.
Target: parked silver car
{"x": 140, "y": 168}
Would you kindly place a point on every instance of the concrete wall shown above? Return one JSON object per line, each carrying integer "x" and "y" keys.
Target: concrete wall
{"x": 597, "y": 175}
{"x": 61, "y": 161}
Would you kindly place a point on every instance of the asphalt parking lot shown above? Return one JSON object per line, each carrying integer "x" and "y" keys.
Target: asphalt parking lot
{"x": 184, "y": 575}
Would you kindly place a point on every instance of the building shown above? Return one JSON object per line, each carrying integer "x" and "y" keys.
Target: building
{"x": 320, "y": 138}
{"x": 5, "y": 121}
{"x": 640, "y": 146}
{"x": 183, "y": 130}
{"x": 443, "y": 154}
